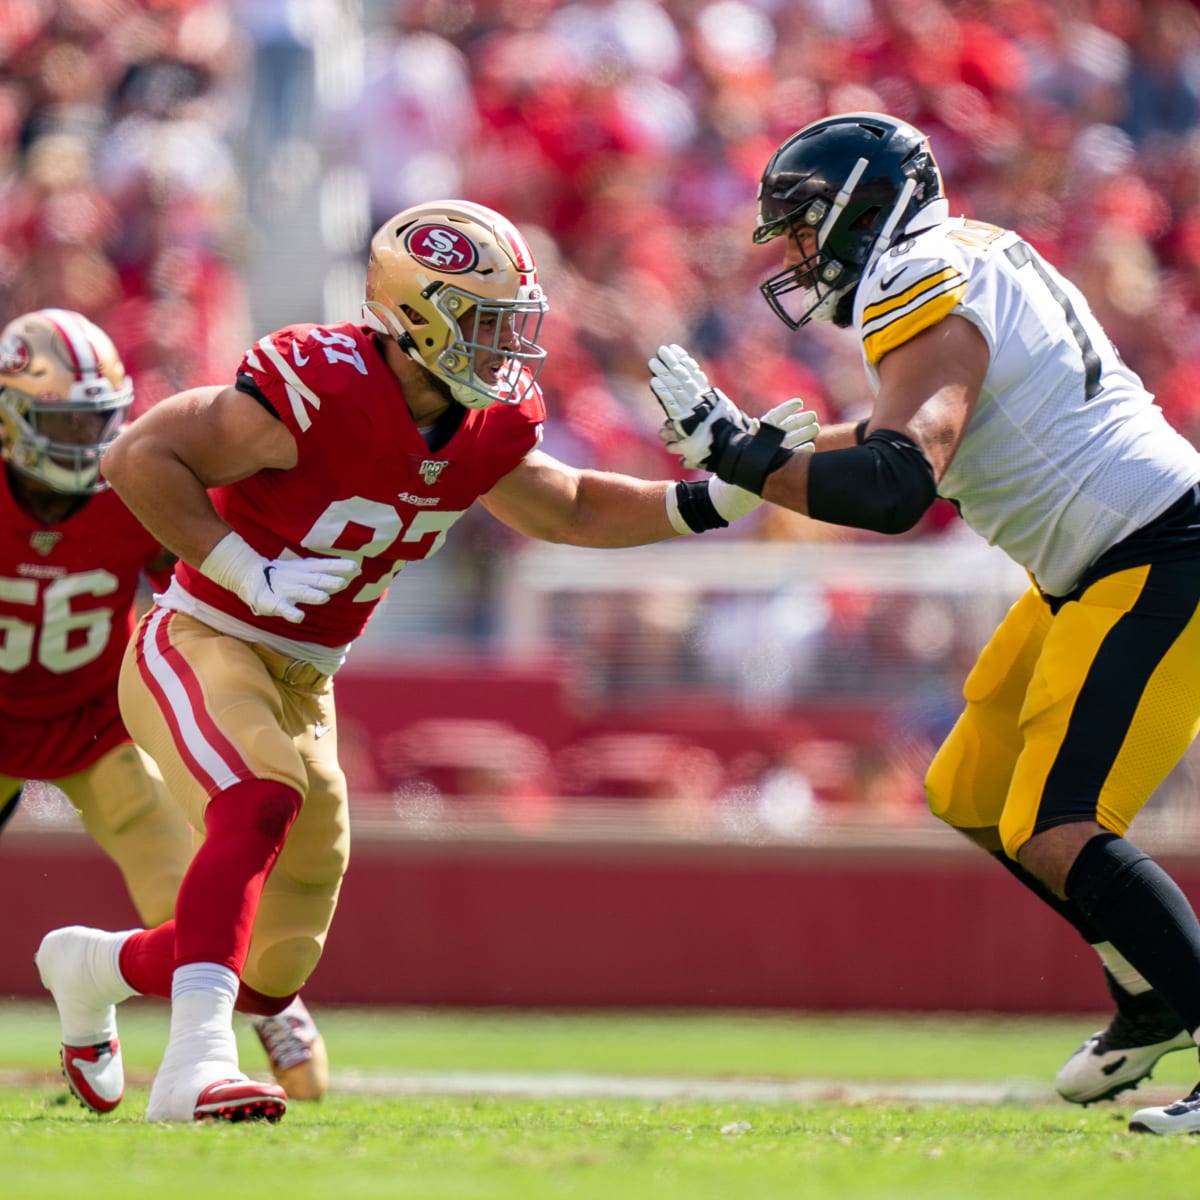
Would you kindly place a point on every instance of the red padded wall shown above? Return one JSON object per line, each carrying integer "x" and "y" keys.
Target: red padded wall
{"x": 816, "y": 928}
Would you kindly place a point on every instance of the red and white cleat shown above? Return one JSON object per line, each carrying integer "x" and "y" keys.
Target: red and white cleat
{"x": 95, "y": 1074}
{"x": 241, "y": 1100}
{"x": 78, "y": 967}
{"x": 212, "y": 1090}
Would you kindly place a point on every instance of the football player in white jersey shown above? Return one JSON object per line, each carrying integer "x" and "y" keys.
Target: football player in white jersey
{"x": 996, "y": 388}
{"x": 293, "y": 495}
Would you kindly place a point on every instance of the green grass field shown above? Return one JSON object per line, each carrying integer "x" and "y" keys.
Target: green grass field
{"x": 505, "y": 1105}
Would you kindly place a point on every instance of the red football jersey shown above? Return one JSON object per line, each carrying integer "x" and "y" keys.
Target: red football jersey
{"x": 67, "y": 594}
{"x": 365, "y": 487}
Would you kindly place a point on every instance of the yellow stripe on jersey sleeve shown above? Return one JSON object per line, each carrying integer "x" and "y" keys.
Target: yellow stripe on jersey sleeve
{"x": 892, "y": 322}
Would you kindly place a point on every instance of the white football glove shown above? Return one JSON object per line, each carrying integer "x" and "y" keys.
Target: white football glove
{"x": 274, "y": 587}
{"x": 799, "y": 424}
{"x": 708, "y": 431}
{"x": 691, "y": 404}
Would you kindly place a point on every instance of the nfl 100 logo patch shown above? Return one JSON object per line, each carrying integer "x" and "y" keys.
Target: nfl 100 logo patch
{"x": 431, "y": 470}
{"x": 44, "y": 540}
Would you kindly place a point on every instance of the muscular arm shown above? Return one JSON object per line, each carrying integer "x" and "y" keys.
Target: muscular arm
{"x": 163, "y": 463}
{"x": 928, "y": 388}
{"x": 549, "y": 500}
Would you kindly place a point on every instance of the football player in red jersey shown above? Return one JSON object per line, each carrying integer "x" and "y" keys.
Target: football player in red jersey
{"x": 71, "y": 559}
{"x": 293, "y": 498}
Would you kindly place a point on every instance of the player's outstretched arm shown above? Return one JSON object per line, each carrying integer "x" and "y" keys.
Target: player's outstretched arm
{"x": 550, "y": 500}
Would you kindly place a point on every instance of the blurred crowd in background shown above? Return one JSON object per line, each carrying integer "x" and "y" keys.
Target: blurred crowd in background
{"x": 192, "y": 173}
{"x": 151, "y": 149}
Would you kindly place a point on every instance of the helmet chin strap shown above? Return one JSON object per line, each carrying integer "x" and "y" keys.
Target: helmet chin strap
{"x": 827, "y": 308}
{"x": 468, "y": 396}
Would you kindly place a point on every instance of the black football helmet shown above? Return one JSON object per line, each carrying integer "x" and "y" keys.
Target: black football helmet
{"x": 857, "y": 180}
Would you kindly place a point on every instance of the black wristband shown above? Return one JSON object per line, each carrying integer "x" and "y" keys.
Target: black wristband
{"x": 696, "y": 506}
{"x": 746, "y": 459}
{"x": 860, "y": 430}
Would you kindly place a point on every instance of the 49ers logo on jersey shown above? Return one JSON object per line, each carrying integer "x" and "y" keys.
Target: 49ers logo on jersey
{"x": 443, "y": 248}
{"x": 431, "y": 470}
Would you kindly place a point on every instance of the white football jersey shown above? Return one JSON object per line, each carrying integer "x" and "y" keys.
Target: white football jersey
{"x": 1066, "y": 452}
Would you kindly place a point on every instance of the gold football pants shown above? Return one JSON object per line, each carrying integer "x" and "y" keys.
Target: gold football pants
{"x": 214, "y": 710}
{"x": 1076, "y": 714}
{"x": 126, "y": 809}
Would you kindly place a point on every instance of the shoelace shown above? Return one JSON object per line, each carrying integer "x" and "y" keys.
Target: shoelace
{"x": 284, "y": 1045}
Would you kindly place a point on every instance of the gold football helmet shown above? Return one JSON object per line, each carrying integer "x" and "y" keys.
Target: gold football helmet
{"x": 455, "y": 284}
{"x": 63, "y": 397}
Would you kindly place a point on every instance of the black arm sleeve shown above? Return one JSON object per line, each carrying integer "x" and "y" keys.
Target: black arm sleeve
{"x": 245, "y": 383}
{"x": 886, "y": 484}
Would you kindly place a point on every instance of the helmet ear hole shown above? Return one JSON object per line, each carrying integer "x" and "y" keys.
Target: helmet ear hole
{"x": 867, "y": 221}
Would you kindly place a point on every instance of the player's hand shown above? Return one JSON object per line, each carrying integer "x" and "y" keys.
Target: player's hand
{"x": 691, "y": 404}
{"x": 275, "y": 587}
{"x": 800, "y": 428}
{"x": 707, "y": 430}
{"x": 284, "y": 583}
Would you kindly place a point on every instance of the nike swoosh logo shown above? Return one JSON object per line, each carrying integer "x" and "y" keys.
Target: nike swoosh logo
{"x": 267, "y": 571}
{"x": 298, "y": 358}
{"x": 1113, "y": 1067}
{"x": 319, "y": 730}
{"x": 884, "y": 284}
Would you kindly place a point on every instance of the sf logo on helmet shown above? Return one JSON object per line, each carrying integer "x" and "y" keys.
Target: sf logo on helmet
{"x": 14, "y": 355}
{"x": 442, "y": 248}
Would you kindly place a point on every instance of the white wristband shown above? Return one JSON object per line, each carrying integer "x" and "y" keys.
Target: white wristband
{"x": 731, "y": 502}
{"x": 673, "y": 514}
{"x": 231, "y": 562}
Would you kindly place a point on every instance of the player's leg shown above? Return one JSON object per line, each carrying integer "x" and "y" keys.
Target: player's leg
{"x": 239, "y": 777}
{"x": 297, "y": 907}
{"x": 91, "y": 1051}
{"x": 1113, "y": 705}
{"x": 968, "y": 784}
{"x": 126, "y": 808}
{"x": 208, "y": 711}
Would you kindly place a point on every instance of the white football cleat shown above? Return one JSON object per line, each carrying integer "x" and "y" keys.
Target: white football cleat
{"x": 1143, "y": 1028}
{"x": 1181, "y": 1117}
{"x": 296, "y": 1051}
{"x": 78, "y": 966}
